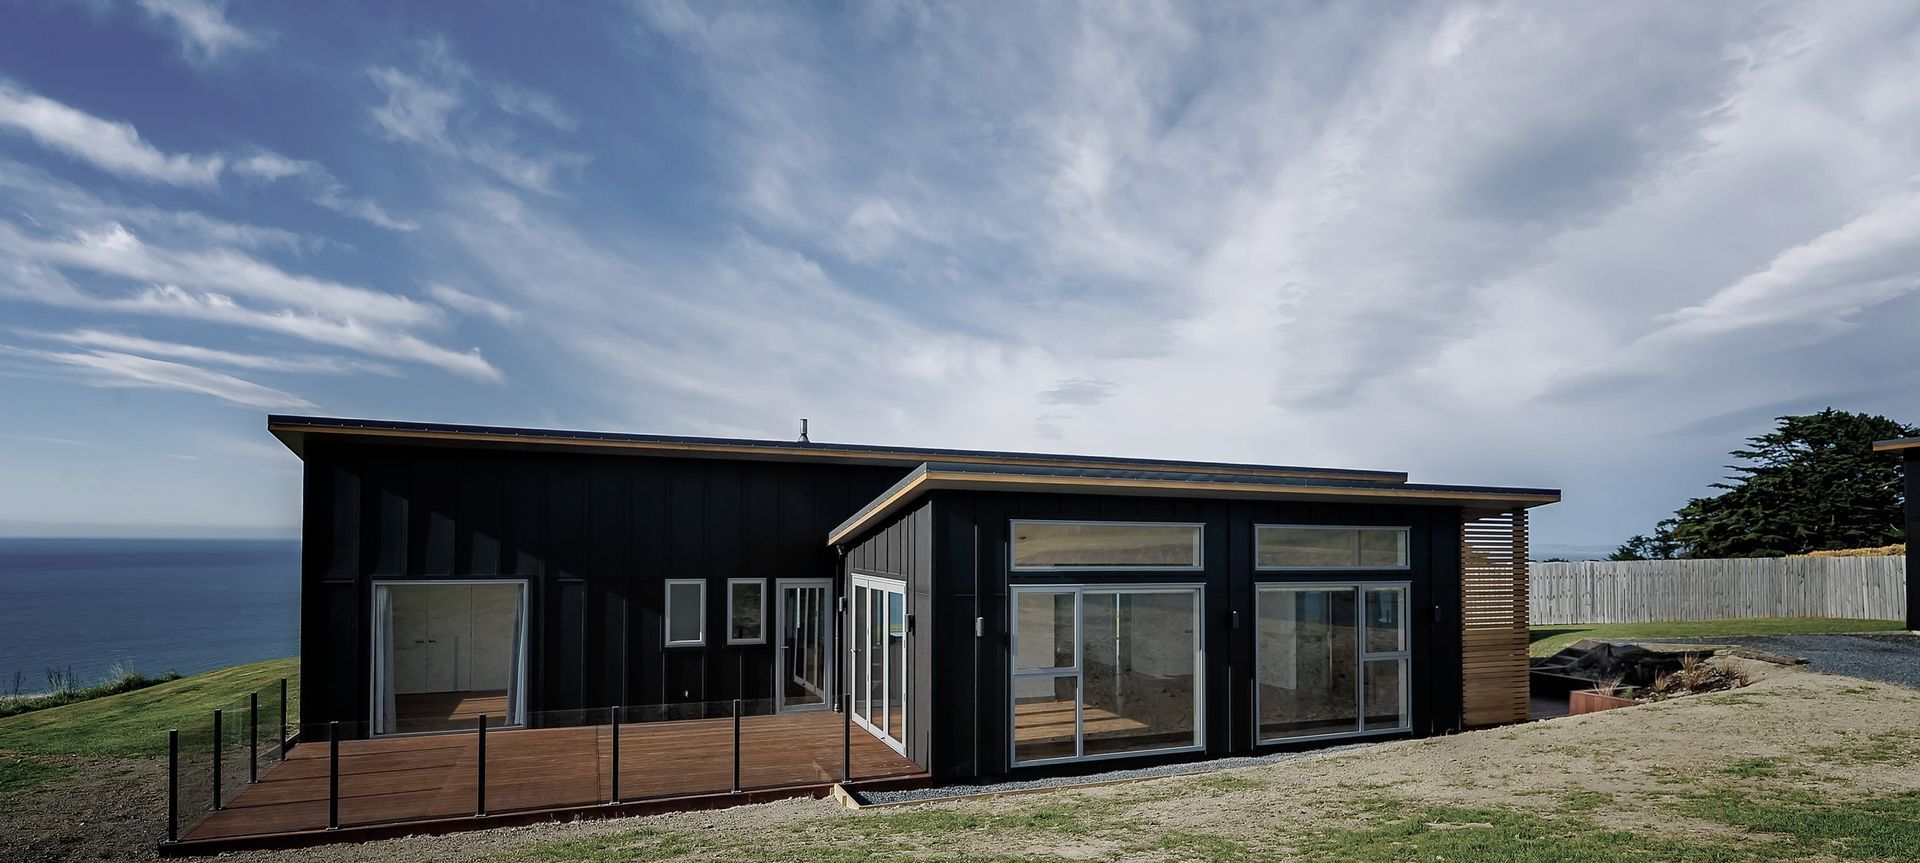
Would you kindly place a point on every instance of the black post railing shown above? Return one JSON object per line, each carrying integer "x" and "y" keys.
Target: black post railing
{"x": 333, "y": 776}
{"x": 280, "y": 743}
{"x": 173, "y": 785}
{"x": 480, "y": 777}
{"x": 613, "y": 792}
{"x": 846, "y": 741}
{"x": 736, "y": 746}
{"x": 219, "y": 743}
{"x": 253, "y": 737}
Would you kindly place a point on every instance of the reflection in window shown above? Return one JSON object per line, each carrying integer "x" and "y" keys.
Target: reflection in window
{"x": 1136, "y": 688}
{"x": 1329, "y": 547}
{"x": 1045, "y": 637}
{"x": 1318, "y": 676}
{"x": 686, "y": 612}
{"x": 1105, "y": 545}
{"x": 746, "y": 611}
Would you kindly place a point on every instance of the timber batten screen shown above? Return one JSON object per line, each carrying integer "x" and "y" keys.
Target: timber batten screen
{"x": 1493, "y": 619}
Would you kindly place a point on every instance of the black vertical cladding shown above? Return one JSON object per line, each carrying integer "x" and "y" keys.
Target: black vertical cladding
{"x": 903, "y": 549}
{"x": 595, "y": 536}
{"x": 1911, "y": 468}
{"x": 965, "y": 562}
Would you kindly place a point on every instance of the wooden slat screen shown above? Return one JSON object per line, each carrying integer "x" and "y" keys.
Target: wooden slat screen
{"x": 1493, "y": 619}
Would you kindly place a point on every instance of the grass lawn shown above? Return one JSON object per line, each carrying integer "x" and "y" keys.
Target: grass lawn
{"x": 1549, "y": 640}
{"x": 134, "y": 724}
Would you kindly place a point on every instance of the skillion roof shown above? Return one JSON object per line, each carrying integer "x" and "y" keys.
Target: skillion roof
{"x": 296, "y": 431}
{"x": 1066, "y": 480}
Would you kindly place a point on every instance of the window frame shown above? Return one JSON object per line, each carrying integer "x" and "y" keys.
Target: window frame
{"x": 1199, "y": 563}
{"x": 666, "y": 613}
{"x": 1405, "y": 531}
{"x": 1361, "y": 656}
{"x": 760, "y": 617}
{"x": 1078, "y": 671}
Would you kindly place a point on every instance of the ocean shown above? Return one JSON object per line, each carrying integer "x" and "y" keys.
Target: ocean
{"x": 156, "y": 605}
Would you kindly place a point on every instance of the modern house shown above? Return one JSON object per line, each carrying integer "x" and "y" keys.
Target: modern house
{"x": 1908, "y": 450}
{"x": 983, "y": 613}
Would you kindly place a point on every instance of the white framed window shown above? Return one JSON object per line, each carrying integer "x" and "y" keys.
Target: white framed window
{"x": 878, "y": 658}
{"x": 686, "y": 612}
{"x": 1106, "y": 671}
{"x": 1052, "y": 546}
{"x": 1315, "y": 547}
{"x": 746, "y": 611}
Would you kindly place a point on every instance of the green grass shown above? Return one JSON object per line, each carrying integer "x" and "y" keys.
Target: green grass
{"x": 128, "y": 683}
{"x": 1870, "y": 828}
{"x": 1447, "y": 833}
{"x": 18, "y": 774}
{"x": 134, "y": 724}
{"x": 1549, "y": 640}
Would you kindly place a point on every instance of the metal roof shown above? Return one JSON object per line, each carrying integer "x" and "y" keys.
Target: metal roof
{"x": 1204, "y": 485}
{"x": 1896, "y": 444}
{"x": 294, "y": 431}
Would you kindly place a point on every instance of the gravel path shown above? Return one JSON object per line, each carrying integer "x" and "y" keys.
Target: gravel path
{"x": 939, "y": 792}
{"x": 1890, "y": 658}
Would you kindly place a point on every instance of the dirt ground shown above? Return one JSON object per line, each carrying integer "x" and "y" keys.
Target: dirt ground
{"x": 1792, "y": 731}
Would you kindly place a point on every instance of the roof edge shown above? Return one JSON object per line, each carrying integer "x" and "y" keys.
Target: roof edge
{"x": 1897, "y": 444}
{"x": 930, "y": 477}
{"x": 292, "y": 430}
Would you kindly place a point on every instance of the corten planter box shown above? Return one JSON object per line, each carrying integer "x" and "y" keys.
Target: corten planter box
{"x": 1594, "y": 701}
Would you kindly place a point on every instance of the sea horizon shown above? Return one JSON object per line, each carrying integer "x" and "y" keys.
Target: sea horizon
{"x": 80, "y": 606}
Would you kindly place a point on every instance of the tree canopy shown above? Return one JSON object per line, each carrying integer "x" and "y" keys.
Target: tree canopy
{"x": 1813, "y": 483}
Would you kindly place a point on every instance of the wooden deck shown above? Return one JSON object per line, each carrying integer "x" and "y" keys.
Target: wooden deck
{"x": 397, "y": 781}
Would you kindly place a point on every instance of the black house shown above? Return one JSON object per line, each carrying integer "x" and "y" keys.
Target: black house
{"x": 1909, "y": 453}
{"x": 980, "y": 612}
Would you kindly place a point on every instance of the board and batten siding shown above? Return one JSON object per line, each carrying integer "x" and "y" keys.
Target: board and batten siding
{"x": 1650, "y": 591}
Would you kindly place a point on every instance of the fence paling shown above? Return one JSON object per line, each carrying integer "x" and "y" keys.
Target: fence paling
{"x": 219, "y": 743}
{"x": 253, "y": 737}
{"x": 173, "y": 785}
{"x": 613, "y": 793}
{"x": 1588, "y": 592}
{"x": 480, "y": 778}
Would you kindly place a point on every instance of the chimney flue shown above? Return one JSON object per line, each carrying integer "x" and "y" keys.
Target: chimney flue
{"x": 803, "y": 429}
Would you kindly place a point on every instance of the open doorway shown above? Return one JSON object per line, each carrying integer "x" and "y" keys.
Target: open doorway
{"x": 446, "y": 653}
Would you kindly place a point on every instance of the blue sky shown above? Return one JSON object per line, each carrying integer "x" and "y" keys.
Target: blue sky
{"x": 1589, "y": 248}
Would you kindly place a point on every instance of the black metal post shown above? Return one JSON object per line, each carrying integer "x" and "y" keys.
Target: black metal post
{"x": 736, "y": 746}
{"x": 219, "y": 742}
{"x": 613, "y": 793}
{"x": 480, "y": 779}
{"x": 280, "y": 743}
{"x": 253, "y": 737}
{"x": 173, "y": 785}
{"x": 333, "y": 776}
{"x": 846, "y": 742}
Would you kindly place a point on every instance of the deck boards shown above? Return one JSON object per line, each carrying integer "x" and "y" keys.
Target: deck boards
{"x": 394, "y": 779}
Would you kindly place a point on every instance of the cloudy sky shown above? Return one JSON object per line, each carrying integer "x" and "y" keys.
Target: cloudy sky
{"x": 1588, "y": 246}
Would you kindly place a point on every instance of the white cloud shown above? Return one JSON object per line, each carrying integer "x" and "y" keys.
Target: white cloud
{"x": 424, "y": 107}
{"x": 115, "y": 369}
{"x": 471, "y": 304}
{"x": 203, "y": 29}
{"x": 110, "y": 146}
{"x": 297, "y": 363}
{"x": 273, "y": 166}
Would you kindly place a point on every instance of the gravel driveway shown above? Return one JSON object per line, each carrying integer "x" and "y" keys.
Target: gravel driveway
{"x": 1891, "y": 658}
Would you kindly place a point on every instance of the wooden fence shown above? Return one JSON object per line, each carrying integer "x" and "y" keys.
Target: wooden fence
{"x": 1646, "y": 591}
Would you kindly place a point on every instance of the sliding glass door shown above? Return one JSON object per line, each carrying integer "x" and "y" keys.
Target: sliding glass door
{"x": 1105, "y": 671}
{"x": 446, "y": 653}
{"x": 877, "y": 637}
{"x": 805, "y": 623}
{"x": 1330, "y": 660}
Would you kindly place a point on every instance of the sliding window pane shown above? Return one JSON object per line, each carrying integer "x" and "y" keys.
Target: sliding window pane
{"x": 896, "y": 665}
{"x": 1141, "y": 671}
{"x": 1303, "y": 547}
{"x": 1043, "y": 717}
{"x": 1307, "y": 662}
{"x": 1044, "y": 633}
{"x": 1386, "y": 620}
{"x": 1386, "y": 708}
{"x": 1383, "y": 547}
{"x": 875, "y": 627}
{"x": 1067, "y": 545}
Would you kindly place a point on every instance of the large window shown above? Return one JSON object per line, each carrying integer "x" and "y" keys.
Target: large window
{"x": 746, "y": 611}
{"x": 1300, "y": 547}
{"x": 1105, "y": 671}
{"x": 686, "y": 624}
{"x": 879, "y": 658}
{"x": 1046, "y": 545}
{"x": 1330, "y": 660}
